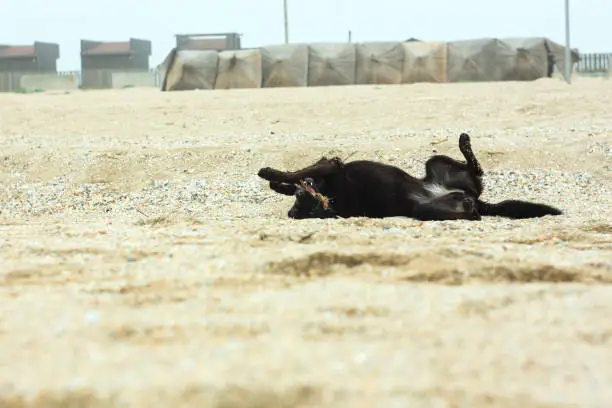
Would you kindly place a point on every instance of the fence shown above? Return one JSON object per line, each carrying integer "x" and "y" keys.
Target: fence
{"x": 594, "y": 63}
{"x": 105, "y": 79}
{"x": 10, "y": 81}
{"x": 67, "y": 80}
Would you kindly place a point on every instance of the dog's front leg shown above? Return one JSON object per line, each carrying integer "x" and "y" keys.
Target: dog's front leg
{"x": 318, "y": 170}
{"x": 283, "y": 188}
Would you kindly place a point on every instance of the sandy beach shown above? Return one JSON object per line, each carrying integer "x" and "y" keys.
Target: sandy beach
{"x": 144, "y": 264}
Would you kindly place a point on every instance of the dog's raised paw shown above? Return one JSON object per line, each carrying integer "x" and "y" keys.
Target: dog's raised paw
{"x": 268, "y": 173}
{"x": 464, "y": 139}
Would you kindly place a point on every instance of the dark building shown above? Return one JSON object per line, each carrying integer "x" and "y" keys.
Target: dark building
{"x": 100, "y": 59}
{"x": 216, "y": 42}
{"x": 129, "y": 55}
{"x": 40, "y": 57}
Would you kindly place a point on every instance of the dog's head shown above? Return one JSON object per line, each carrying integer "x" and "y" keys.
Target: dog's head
{"x": 306, "y": 205}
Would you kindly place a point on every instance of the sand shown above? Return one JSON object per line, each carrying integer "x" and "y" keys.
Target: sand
{"x": 144, "y": 264}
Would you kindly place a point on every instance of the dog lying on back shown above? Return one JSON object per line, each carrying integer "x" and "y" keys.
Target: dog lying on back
{"x": 450, "y": 190}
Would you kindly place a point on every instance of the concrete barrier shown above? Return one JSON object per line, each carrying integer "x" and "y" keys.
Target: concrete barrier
{"x": 48, "y": 82}
{"x": 133, "y": 79}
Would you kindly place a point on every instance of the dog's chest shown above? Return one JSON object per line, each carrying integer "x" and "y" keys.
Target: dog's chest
{"x": 432, "y": 191}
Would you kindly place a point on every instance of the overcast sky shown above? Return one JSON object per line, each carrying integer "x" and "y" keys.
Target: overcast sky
{"x": 261, "y": 21}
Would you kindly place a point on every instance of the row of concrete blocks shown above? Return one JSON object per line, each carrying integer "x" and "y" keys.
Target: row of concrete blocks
{"x": 298, "y": 65}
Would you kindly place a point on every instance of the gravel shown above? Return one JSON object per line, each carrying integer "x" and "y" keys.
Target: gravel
{"x": 135, "y": 233}
{"x": 198, "y": 197}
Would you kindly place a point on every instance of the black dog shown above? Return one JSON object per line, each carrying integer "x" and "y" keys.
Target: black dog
{"x": 450, "y": 190}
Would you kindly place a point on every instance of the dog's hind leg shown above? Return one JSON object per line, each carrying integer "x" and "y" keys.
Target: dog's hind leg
{"x": 453, "y": 174}
{"x": 473, "y": 165}
{"x": 322, "y": 168}
{"x": 465, "y": 146}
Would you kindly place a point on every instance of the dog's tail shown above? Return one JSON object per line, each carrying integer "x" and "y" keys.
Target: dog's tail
{"x": 516, "y": 209}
